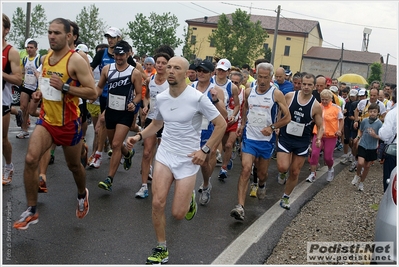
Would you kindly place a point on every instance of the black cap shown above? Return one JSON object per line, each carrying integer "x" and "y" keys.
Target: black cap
{"x": 121, "y": 47}
{"x": 206, "y": 65}
{"x": 192, "y": 67}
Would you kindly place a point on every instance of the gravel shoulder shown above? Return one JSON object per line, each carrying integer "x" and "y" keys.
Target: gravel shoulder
{"x": 339, "y": 212}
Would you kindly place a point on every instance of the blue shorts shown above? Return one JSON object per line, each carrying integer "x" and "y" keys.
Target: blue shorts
{"x": 259, "y": 149}
{"x": 205, "y": 135}
{"x": 298, "y": 148}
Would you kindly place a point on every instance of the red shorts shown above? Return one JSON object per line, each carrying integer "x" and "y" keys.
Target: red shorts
{"x": 67, "y": 135}
{"x": 232, "y": 128}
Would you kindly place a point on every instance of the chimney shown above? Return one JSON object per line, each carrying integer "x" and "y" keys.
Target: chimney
{"x": 205, "y": 19}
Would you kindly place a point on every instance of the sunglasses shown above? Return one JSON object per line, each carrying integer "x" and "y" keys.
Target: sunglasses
{"x": 202, "y": 70}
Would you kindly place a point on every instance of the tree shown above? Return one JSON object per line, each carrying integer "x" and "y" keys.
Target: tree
{"x": 91, "y": 27}
{"x": 376, "y": 73}
{"x": 239, "y": 39}
{"x": 38, "y": 25}
{"x": 191, "y": 47}
{"x": 147, "y": 34}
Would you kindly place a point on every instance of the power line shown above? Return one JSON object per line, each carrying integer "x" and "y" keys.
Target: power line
{"x": 250, "y": 7}
{"x": 355, "y": 24}
{"x": 205, "y": 8}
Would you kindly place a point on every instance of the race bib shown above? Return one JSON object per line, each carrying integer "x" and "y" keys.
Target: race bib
{"x": 295, "y": 128}
{"x": 257, "y": 119}
{"x": 49, "y": 92}
{"x": 30, "y": 79}
{"x": 117, "y": 102}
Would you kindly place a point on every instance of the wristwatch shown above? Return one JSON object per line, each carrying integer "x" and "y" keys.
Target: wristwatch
{"x": 273, "y": 128}
{"x": 65, "y": 88}
{"x": 206, "y": 149}
{"x": 215, "y": 102}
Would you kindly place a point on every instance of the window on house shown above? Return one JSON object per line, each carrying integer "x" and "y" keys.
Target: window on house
{"x": 286, "y": 50}
{"x": 286, "y": 67}
{"x": 265, "y": 46}
{"x": 193, "y": 39}
{"x": 194, "y": 28}
{"x": 209, "y": 58}
{"x": 212, "y": 43}
{"x": 288, "y": 38}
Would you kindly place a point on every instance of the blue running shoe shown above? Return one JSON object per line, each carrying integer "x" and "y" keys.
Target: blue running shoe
{"x": 106, "y": 185}
{"x": 128, "y": 160}
{"x": 222, "y": 175}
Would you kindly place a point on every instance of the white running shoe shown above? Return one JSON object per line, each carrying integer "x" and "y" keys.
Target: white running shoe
{"x": 311, "y": 178}
{"x": 330, "y": 175}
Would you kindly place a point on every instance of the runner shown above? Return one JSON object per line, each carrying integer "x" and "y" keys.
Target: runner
{"x": 59, "y": 120}
{"x": 11, "y": 75}
{"x": 124, "y": 96}
{"x": 178, "y": 157}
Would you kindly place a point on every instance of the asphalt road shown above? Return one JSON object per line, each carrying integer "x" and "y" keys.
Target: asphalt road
{"x": 118, "y": 228}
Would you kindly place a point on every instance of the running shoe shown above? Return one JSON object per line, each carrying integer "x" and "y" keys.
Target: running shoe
{"x": 238, "y": 213}
{"x": 311, "y": 178}
{"x": 285, "y": 203}
{"x": 261, "y": 192}
{"x": 7, "y": 175}
{"x": 52, "y": 158}
{"x": 127, "y": 163}
{"x": 96, "y": 161}
{"x": 159, "y": 255}
{"x": 143, "y": 192}
{"x": 360, "y": 188}
{"x": 83, "y": 206}
{"x": 18, "y": 118}
{"x": 254, "y": 189}
{"x": 219, "y": 159}
{"x": 222, "y": 174}
{"x": 205, "y": 195}
{"x": 109, "y": 153}
{"x": 42, "y": 185}
{"x": 330, "y": 175}
{"x": 345, "y": 159}
{"x": 355, "y": 180}
{"x": 26, "y": 218}
{"x": 193, "y": 208}
{"x": 23, "y": 135}
{"x": 106, "y": 184}
{"x": 353, "y": 166}
{"x": 282, "y": 177}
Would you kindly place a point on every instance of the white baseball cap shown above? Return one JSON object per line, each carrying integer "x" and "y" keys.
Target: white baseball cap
{"x": 113, "y": 32}
{"x": 83, "y": 48}
{"x": 223, "y": 64}
{"x": 27, "y": 41}
{"x": 334, "y": 89}
{"x": 353, "y": 92}
{"x": 362, "y": 92}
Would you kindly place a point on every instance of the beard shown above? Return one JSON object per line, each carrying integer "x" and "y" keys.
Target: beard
{"x": 173, "y": 82}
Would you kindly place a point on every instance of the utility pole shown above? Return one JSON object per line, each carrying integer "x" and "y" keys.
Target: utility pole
{"x": 275, "y": 36}
{"x": 386, "y": 70}
{"x": 27, "y": 25}
{"x": 342, "y": 59}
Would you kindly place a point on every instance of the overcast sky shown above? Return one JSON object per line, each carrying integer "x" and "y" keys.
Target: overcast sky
{"x": 340, "y": 21}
